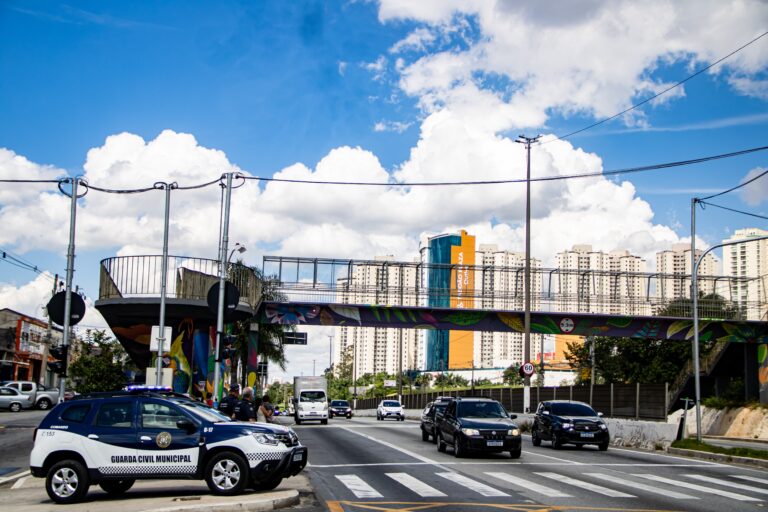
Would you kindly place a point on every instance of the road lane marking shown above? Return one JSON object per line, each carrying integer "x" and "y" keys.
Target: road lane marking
{"x": 586, "y": 485}
{"x": 486, "y": 462}
{"x": 18, "y": 483}
{"x": 701, "y": 488}
{"x": 527, "y": 485}
{"x": 751, "y": 479}
{"x": 394, "y": 447}
{"x": 642, "y": 487}
{"x": 415, "y": 485}
{"x": 558, "y": 459}
{"x": 725, "y": 483}
{"x": 472, "y": 485}
{"x": 360, "y": 489}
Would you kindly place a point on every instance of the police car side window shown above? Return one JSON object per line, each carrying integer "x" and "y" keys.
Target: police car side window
{"x": 114, "y": 415}
{"x": 154, "y": 415}
{"x": 76, "y": 413}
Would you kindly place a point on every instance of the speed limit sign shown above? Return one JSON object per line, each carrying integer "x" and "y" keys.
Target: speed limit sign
{"x": 527, "y": 369}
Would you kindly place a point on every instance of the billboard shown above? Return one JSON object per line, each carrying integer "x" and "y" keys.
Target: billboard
{"x": 461, "y": 343}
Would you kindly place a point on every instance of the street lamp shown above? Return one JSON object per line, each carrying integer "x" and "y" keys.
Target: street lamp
{"x": 240, "y": 248}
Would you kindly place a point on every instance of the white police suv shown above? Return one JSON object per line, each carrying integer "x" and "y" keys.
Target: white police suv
{"x": 113, "y": 439}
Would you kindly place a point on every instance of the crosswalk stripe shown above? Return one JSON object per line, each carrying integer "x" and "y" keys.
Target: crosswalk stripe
{"x": 528, "y": 485}
{"x": 710, "y": 490}
{"x": 472, "y": 485}
{"x": 642, "y": 487}
{"x": 725, "y": 483}
{"x": 586, "y": 485}
{"x": 361, "y": 489}
{"x": 415, "y": 485}
{"x": 751, "y": 478}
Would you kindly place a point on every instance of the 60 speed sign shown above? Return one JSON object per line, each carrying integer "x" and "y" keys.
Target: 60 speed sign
{"x": 527, "y": 369}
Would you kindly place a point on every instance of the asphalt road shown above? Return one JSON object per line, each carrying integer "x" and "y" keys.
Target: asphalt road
{"x": 361, "y": 464}
{"x": 16, "y": 430}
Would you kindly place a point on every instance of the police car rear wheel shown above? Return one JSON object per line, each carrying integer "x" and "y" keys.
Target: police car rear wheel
{"x": 67, "y": 482}
{"x": 116, "y": 486}
{"x": 226, "y": 474}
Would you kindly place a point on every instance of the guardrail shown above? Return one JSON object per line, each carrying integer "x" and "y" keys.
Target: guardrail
{"x": 187, "y": 278}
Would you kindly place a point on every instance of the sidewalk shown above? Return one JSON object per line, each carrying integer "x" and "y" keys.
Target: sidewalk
{"x": 27, "y": 494}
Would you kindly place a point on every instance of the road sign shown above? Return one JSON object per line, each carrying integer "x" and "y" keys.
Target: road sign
{"x": 295, "y": 338}
{"x": 56, "y": 305}
{"x": 390, "y": 383}
{"x": 567, "y": 325}
{"x": 154, "y": 339}
{"x": 231, "y": 299}
{"x": 528, "y": 369}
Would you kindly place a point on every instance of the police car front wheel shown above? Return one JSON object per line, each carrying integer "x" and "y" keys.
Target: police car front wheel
{"x": 67, "y": 482}
{"x": 226, "y": 474}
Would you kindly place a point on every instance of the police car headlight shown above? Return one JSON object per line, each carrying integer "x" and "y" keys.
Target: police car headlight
{"x": 266, "y": 438}
{"x": 470, "y": 431}
{"x": 513, "y": 432}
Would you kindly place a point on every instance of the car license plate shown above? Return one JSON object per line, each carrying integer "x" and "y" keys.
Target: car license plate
{"x": 297, "y": 457}
{"x": 312, "y": 413}
{"x": 495, "y": 443}
{"x": 587, "y": 434}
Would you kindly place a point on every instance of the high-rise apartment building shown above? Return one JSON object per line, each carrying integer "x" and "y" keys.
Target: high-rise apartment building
{"x": 591, "y": 281}
{"x": 748, "y": 260}
{"x": 378, "y": 349}
{"x": 673, "y": 265}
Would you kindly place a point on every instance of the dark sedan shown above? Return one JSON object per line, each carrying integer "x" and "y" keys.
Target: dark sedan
{"x": 478, "y": 424}
{"x": 431, "y": 416}
{"x": 564, "y": 422}
{"x": 339, "y": 408}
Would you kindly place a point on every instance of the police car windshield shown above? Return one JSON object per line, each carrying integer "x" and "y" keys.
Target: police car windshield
{"x": 203, "y": 412}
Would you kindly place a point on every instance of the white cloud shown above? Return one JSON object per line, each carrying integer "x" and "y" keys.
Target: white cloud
{"x": 377, "y": 68}
{"x": 757, "y": 191}
{"x": 590, "y": 57}
{"x": 391, "y": 126}
{"x": 418, "y": 40}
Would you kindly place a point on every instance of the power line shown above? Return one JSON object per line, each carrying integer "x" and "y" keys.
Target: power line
{"x": 681, "y": 82}
{"x": 737, "y": 186}
{"x": 733, "y": 210}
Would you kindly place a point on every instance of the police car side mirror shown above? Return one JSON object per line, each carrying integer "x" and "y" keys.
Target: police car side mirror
{"x": 186, "y": 425}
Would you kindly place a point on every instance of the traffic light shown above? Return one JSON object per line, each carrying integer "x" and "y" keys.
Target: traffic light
{"x": 59, "y": 366}
{"x": 227, "y": 349}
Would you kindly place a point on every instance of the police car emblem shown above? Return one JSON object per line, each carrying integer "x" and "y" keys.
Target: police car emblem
{"x": 163, "y": 439}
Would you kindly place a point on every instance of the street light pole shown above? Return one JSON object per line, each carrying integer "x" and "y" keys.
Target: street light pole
{"x": 222, "y": 285}
{"x": 522, "y": 139}
{"x": 330, "y": 353}
{"x": 163, "y": 281}
{"x": 70, "y": 269}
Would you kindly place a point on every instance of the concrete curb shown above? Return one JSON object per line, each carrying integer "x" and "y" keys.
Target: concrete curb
{"x": 719, "y": 457}
{"x": 288, "y": 499}
{"x": 14, "y": 477}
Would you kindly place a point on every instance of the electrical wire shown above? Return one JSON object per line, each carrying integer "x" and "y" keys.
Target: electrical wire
{"x": 521, "y": 180}
{"x": 678, "y": 84}
{"x": 733, "y": 210}
{"x": 28, "y": 181}
{"x": 736, "y": 187}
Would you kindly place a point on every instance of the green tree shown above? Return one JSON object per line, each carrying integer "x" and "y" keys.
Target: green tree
{"x": 511, "y": 375}
{"x": 339, "y": 377}
{"x": 101, "y": 365}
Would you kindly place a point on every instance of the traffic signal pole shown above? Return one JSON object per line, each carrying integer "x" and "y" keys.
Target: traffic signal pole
{"x": 222, "y": 286}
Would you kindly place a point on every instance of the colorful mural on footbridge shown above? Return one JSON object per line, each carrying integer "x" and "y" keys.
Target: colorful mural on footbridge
{"x": 409, "y": 317}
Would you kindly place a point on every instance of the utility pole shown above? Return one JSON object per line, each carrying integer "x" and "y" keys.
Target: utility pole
{"x": 223, "y": 243}
{"x": 522, "y": 139}
{"x": 68, "y": 286}
{"x": 163, "y": 281}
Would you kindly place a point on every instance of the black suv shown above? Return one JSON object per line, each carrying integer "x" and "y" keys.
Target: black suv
{"x": 431, "y": 416}
{"x": 478, "y": 424}
{"x": 339, "y": 408}
{"x": 113, "y": 439}
{"x": 565, "y": 422}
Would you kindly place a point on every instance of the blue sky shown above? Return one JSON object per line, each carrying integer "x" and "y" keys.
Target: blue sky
{"x": 129, "y": 93}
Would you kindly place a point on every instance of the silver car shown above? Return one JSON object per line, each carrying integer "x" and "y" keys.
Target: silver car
{"x": 15, "y": 401}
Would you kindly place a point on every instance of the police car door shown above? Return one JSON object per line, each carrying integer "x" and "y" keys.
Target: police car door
{"x": 111, "y": 440}
{"x": 163, "y": 447}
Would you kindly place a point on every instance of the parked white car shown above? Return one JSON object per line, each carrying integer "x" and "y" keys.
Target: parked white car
{"x": 390, "y": 409}
{"x": 13, "y": 400}
{"x": 42, "y": 397}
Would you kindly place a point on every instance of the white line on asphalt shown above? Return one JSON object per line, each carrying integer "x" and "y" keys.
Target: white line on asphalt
{"x": 14, "y": 477}
{"x": 528, "y": 485}
{"x": 725, "y": 483}
{"x": 586, "y": 485}
{"x": 686, "y": 485}
{"x": 18, "y": 483}
{"x": 572, "y": 462}
{"x": 485, "y": 462}
{"x": 472, "y": 485}
{"x": 642, "y": 487}
{"x": 361, "y": 489}
{"x": 394, "y": 447}
{"x": 751, "y": 479}
{"x": 414, "y": 484}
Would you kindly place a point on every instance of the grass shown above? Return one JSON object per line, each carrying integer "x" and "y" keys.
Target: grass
{"x": 693, "y": 444}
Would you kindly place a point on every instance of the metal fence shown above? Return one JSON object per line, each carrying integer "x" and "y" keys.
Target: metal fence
{"x": 638, "y": 401}
{"x": 187, "y": 278}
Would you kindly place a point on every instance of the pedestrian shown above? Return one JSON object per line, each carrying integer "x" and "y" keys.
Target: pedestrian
{"x": 266, "y": 411}
{"x": 228, "y": 404}
{"x": 244, "y": 410}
